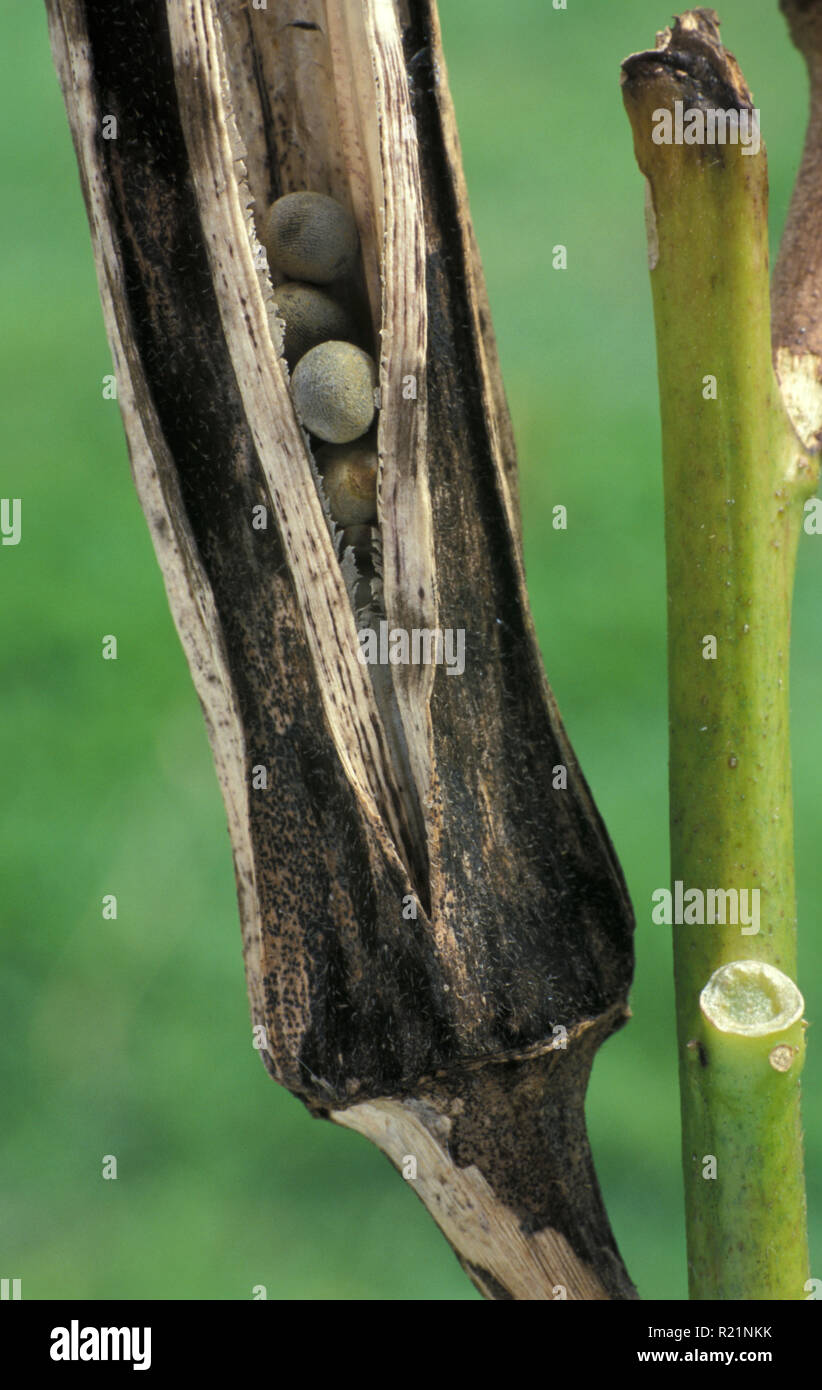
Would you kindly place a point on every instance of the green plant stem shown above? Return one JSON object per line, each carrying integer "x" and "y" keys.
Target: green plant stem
{"x": 749, "y": 1206}
{"x": 736, "y": 478}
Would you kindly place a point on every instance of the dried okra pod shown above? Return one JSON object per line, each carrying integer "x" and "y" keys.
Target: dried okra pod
{"x": 436, "y": 931}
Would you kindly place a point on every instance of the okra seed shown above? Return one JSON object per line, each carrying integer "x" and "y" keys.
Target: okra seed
{"x": 333, "y": 389}
{"x": 360, "y": 538}
{"x": 349, "y": 474}
{"x": 311, "y": 316}
{"x": 309, "y": 236}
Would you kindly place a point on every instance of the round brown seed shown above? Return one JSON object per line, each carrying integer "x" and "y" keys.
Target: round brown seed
{"x": 311, "y": 316}
{"x": 333, "y": 389}
{"x": 360, "y": 538}
{"x": 309, "y": 236}
{"x": 349, "y": 474}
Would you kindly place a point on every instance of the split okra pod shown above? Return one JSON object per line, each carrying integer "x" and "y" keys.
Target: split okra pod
{"x": 426, "y": 890}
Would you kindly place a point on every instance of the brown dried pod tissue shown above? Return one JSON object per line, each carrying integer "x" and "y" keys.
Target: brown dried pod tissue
{"x": 437, "y": 936}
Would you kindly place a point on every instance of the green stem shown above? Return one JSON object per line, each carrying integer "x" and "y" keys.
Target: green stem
{"x": 736, "y": 478}
{"x": 740, "y": 1093}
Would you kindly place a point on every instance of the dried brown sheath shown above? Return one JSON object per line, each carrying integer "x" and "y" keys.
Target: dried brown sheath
{"x": 433, "y": 1034}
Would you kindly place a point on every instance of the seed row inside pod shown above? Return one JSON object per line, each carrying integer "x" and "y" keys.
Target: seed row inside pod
{"x": 311, "y": 239}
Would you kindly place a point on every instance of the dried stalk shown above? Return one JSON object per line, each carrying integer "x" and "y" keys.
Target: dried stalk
{"x": 436, "y": 931}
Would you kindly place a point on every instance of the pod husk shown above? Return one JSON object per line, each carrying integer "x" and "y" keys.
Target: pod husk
{"x": 437, "y": 934}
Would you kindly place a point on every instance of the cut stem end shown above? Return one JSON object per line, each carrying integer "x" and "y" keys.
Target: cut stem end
{"x": 752, "y": 999}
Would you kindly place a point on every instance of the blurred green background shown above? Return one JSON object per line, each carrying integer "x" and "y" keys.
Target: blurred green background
{"x": 132, "y": 1037}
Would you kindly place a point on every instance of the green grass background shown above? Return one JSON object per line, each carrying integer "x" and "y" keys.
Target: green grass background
{"x": 132, "y": 1037}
